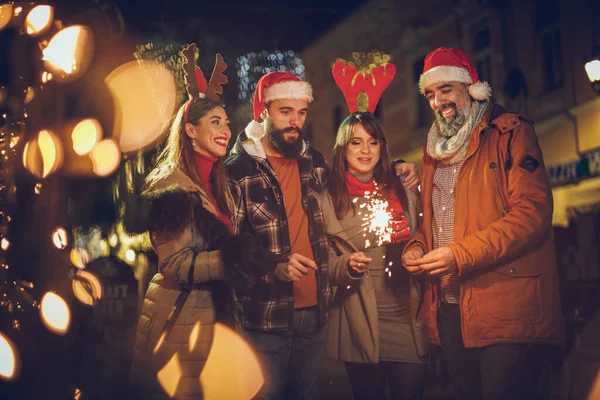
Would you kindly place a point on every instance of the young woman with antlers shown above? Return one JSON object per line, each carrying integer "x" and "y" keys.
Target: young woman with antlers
{"x": 189, "y": 214}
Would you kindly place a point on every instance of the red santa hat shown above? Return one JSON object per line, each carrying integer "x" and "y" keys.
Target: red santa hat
{"x": 275, "y": 86}
{"x": 447, "y": 65}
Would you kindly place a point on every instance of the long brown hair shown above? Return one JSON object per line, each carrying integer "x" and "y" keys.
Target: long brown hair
{"x": 382, "y": 173}
{"x": 178, "y": 153}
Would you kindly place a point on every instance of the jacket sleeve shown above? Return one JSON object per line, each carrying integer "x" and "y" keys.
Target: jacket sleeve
{"x": 339, "y": 273}
{"x": 414, "y": 209}
{"x": 528, "y": 219}
{"x": 175, "y": 257}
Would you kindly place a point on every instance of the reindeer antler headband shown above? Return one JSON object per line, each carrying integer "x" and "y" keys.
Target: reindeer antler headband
{"x": 196, "y": 85}
{"x": 364, "y": 79}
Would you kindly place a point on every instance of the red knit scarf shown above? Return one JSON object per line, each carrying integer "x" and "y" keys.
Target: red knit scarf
{"x": 204, "y": 165}
{"x": 399, "y": 224}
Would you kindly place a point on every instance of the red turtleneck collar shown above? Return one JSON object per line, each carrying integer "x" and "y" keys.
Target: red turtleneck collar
{"x": 204, "y": 165}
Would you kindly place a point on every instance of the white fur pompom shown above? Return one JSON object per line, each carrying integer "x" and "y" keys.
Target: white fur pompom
{"x": 480, "y": 90}
{"x": 255, "y": 130}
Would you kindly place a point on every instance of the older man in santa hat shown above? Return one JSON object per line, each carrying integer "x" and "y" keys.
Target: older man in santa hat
{"x": 485, "y": 245}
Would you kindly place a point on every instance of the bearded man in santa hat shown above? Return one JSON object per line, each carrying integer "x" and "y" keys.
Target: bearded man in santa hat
{"x": 485, "y": 246}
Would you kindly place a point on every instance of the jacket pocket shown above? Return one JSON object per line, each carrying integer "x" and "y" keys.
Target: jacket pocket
{"x": 263, "y": 206}
{"x": 509, "y": 294}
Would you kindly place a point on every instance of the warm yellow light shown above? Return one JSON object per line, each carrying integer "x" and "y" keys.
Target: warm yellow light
{"x": 55, "y": 313}
{"x": 79, "y": 257}
{"x": 6, "y": 13}
{"x": 43, "y": 155}
{"x": 87, "y": 288}
{"x": 9, "y": 359}
{"x": 130, "y": 255}
{"x": 144, "y": 98}
{"x": 29, "y": 95}
{"x": 592, "y": 69}
{"x": 60, "y": 238}
{"x": 105, "y": 157}
{"x": 69, "y": 52}
{"x": 39, "y": 20}
{"x": 170, "y": 375}
{"x": 194, "y": 336}
{"x": 85, "y": 135}
{"x": 46, "y": 77}
{"x": 159, "y": 343}
{"x": 49, "y": 152}
{"x": 5, "y": 244}
{"x": 18, "y": 11}
{"x": 232, "y": 357}
{"x": 113, "y": 240}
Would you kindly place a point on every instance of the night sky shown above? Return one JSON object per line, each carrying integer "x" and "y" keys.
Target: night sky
{"x": 260, "y": 24}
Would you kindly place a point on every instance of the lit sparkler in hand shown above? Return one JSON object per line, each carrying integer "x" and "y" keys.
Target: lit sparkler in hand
{"x": 379, "y": 220}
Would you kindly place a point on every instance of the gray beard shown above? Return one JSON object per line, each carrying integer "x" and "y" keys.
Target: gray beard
{"x": 451, "y": 127}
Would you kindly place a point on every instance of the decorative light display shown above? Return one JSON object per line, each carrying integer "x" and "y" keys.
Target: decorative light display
{"x": 251, "y": 66}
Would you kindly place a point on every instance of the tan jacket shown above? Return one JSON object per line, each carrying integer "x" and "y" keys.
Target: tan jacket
{"x": 503, "y": 242}
{"x": 175, "y": 252}
{"x": 353, "y": 334}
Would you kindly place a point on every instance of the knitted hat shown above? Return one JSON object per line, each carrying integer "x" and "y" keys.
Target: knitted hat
{"x": 275, "y": 86}
{"x": 447, "y": 65}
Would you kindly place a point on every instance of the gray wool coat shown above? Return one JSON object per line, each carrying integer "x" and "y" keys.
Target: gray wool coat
{"x": 353, "y": 334}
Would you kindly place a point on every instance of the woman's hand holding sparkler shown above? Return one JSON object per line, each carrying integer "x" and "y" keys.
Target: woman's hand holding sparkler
{"x": 295, "y": 268}
{"x": 359, "y": 262}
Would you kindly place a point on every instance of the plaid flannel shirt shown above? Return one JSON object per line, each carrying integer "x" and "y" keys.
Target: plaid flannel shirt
{"x": 259, "y": 209}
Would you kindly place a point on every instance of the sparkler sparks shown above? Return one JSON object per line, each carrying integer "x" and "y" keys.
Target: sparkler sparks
{"x": 377, "y": 219}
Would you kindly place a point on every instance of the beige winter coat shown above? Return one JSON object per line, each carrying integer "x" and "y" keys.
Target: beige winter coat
{"x": 175, "y": 252}
{"x": 353, "y": 324}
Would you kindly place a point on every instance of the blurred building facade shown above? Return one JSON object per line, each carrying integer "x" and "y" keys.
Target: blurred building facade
{"x": 532, "y": 52}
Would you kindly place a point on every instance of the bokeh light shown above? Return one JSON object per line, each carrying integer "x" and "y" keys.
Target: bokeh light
{"x": 85, "y": 135}
{"x": 69, "y": 52}
{"x": 6, "y": 13}
{"x": 130, "y": 255}
{"x": 232, "y": 370}
{"x": 106, "y": 157}
{"x": 79, "y": 257}
{"x": 170, "y": 375}
{"x": 145, "y": 98}
{"x": 60, "y": 238}
{"x": 4, "y": 244}
{"x": 39, "y": 20}
{"x": 55, "y": 313}
{"x": 43, "y": 155}
{"x": 87, "y": 288}
{"x": 9, "y": 359}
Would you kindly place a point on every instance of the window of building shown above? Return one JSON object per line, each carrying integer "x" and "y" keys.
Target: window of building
{"x": 547, "y": 23}
{"x": 424, "y": 115}
{"x": 481, "y": 50}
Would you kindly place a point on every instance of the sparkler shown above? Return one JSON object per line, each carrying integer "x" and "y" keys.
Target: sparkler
{"x": 378, "y": 219}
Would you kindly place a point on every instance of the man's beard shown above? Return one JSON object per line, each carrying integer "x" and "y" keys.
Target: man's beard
{"x": 450, "y": 127}
{"x": 288, "y": 148}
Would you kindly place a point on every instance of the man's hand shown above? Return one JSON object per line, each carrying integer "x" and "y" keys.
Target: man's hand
{"x": 295, "y": 268}
{"x": 409, "y": 260}
{"x": 359, "y": 262}
{"x": 438, "y": 262}
{"x": 409, "y": 172}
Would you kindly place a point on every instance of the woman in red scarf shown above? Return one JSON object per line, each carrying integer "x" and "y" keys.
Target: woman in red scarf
{"x": 375, "y": 326}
